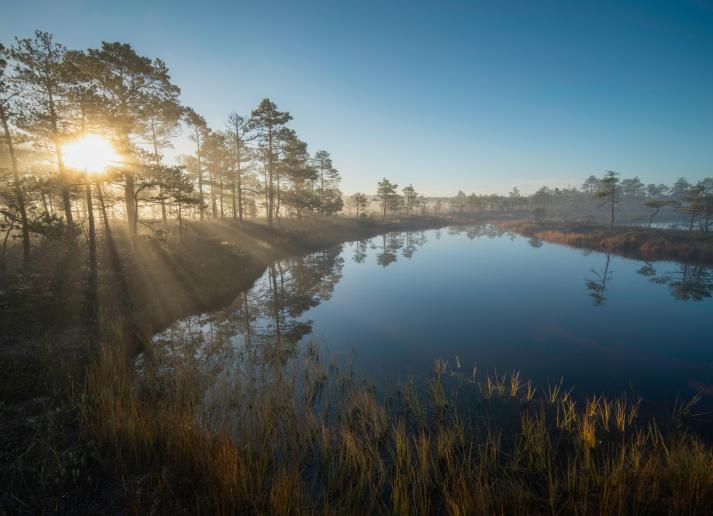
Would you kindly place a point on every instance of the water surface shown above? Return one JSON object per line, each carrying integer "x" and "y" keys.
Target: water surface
{"x": 392, "y": 304}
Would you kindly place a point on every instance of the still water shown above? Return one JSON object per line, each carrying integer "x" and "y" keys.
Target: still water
{"x": 390, "y": 305}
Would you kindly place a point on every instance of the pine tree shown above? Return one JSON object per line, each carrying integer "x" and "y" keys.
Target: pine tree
{"x": 268, "y": 121}
{"x": 330, "y": 197}
{"x": 199, "y": 132}
{"x": 609, "y": 191}
{"x": 240, "y": 129}
{"x": 297, "y": 170}
{"x": 7, "y": 95}
{"x": 386, "y": 191}
{"x": 360, "y": 202}
{"x": 130, "y": 86}
{"x": 41, "y": 70}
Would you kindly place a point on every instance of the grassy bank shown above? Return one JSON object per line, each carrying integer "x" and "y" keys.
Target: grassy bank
{"x": 631, "y": 242}
{"x": 312, "y": 439}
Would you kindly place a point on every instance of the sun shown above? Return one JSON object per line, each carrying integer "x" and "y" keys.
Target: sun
{"x": 91, "y": 153}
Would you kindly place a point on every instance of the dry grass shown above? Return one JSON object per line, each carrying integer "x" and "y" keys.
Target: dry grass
{"x": 279, "y": 448}
{"x": 633, "y": 242}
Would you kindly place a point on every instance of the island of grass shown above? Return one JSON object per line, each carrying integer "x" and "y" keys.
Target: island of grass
{"x": 643, "y": 243}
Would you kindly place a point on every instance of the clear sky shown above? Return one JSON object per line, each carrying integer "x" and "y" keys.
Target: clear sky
{"x": 479, "y": 96}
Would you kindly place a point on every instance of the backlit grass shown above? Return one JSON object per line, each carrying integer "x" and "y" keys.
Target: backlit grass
{"x": 309, "y": 438}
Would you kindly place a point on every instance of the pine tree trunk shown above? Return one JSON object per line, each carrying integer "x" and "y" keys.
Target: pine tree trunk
{"x": 64, "y": 187}
{"x": 651, "y": 219}
{"x": 220, "y": 195}
{"x": 611, "y": 226}
{"x": 321, "y": 190}
{"x": 270, "y": 197}
{"x": 105, "y": 216}
{"x": 201, "y": 207}
{"x": 130, "y": 202}
{"x": 233, "y": 197}
{"x": 180, "y": 222}
{"x": 60, "y": 162}
{"x": 45, "y": 205}
{"x": 93, "y": 297}
{"x": 18, "y": 189}
{"x": 277, "y": 200}
{"x": 240, "y": 194}
{"x": 157, "y": 159}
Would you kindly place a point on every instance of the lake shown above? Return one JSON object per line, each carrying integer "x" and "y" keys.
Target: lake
{"x": 390, "y": 305}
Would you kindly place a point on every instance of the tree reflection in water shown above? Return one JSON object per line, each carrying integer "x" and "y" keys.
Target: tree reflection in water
{"x": 597, "y": 285}
{"x": 257, "y": 333}
{"x": 473, "y": 231}
{"x": 263, "y": 325}
{"x": 687, "y": 282}
{"x": 535, "y": 242}
{"x": 390, "y": 244}
{"x": 360, "y": 253}
{"x": 413, "y": 241}
{"x": 254, "y": 340}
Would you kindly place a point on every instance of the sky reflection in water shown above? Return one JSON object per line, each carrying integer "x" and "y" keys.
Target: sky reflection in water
{"x": 392, "y": 304}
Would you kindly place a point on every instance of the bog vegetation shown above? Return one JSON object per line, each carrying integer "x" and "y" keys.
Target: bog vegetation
{"x": 312, "y": 438}
{"x": 88, "y": 134}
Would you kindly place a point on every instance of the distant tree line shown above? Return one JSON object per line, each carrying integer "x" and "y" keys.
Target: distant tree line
{"x": 607, "y": 196}
{"x": 390, "y": 201}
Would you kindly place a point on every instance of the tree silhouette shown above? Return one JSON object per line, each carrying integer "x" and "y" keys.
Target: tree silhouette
{"x": 609, "y": 192}
{"x": 268, "y": 121}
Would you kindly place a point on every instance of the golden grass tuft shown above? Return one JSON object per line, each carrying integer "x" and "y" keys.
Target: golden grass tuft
{"x": 348, "y": 451}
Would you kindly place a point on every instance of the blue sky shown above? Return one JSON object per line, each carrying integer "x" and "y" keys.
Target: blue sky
{"x": 445, "y": 95}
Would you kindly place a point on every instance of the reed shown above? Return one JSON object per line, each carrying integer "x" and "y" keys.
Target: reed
{"x": 566, "y": 413}
{"x": 605, "y": 408}
{"x": 515, "y": 383}
{"x": 553, "y": 392}
{"x": 530, "y": 391}
{"x": 621, "y": 413}
{"x": 279, "y": 449}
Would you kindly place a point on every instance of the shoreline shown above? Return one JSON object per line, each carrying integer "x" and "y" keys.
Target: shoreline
{"x": 646, "y": 244}
{"x": 293, "y": 239}
{"x": 247, "y": 249}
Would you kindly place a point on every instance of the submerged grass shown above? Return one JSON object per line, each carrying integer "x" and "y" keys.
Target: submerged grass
{"x": 313, "y": 439}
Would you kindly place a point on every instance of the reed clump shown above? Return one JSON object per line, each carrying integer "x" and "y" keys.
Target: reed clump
{"x": 277, "y": 438}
